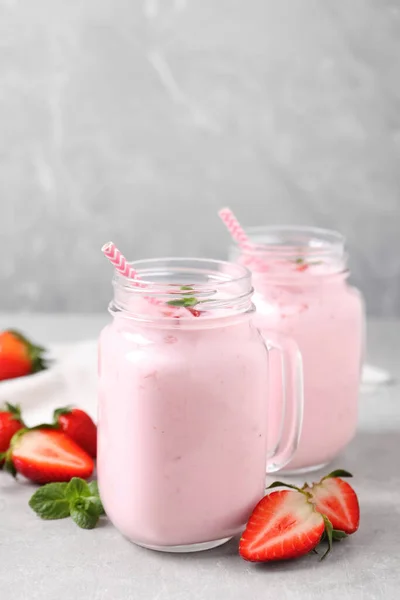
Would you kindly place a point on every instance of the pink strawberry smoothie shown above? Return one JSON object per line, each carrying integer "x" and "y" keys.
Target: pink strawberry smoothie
{"x": 302, "y": 292}
{"x": 182, "y": 420}
{"x": 181, "y": 431}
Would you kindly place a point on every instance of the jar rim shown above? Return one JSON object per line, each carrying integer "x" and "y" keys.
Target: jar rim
{"x": 210, "y": 287}
{"x": 242, "y": 272}
{"x": 294, "y": 239}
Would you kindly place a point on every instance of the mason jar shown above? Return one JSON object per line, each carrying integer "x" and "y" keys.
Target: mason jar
{"x": 183, "y": 404}
{"x": 300, "y": 276}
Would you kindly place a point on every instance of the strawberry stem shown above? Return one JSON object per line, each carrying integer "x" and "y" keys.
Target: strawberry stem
{"x": 14, "y": 410}
{"x": 287, "y": 485}
{"x": 328, "y": 533}
{"x": 65, "y": 410}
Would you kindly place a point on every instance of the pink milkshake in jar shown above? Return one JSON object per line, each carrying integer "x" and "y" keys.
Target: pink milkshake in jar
{"x": 183, "y": 409}
{"x": 301, "y": 290}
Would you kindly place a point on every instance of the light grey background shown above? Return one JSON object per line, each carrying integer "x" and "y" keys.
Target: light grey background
{"x": 134, "y": 120}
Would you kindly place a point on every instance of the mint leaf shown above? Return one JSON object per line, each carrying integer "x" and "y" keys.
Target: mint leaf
{"x": 93, "y": 488}
{"x": 95, "y": 497}
{"x": 187, "y": 288}
{"x": 185, "y": 302}
{"x": 85, "y": 513}
{"x": 50, "y": 502}
{"x": 77, "y": 488}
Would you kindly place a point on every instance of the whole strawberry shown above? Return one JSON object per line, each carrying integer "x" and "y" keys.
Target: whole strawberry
{"x": 79, "y": 426}
{"x": 10, "y": 423}
{"x": 18, "y": 356}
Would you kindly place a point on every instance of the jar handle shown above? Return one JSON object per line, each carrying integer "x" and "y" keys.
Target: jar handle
{"x": 293, "y": 399}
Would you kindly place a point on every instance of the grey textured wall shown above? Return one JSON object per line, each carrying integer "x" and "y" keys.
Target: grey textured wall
{"x": 135, "y": 120}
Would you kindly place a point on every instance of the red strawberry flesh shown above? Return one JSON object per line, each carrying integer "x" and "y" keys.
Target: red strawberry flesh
{"x": 337, "y": 500}
{"x": 283, "y": 525}
{"x": 46, "y": 456}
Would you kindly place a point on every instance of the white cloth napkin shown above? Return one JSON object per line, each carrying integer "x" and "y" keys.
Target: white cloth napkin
{"x": 71, "y": 380}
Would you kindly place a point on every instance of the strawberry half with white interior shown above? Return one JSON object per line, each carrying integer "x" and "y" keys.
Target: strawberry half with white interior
{"x": 46, "y": 455}
{"x": 283, "y": 525}
{"x": 289, "y": 524}
{"x": 337, "y": 500}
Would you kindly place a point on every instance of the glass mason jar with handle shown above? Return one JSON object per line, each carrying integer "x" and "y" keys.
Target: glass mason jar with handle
{"x": 183, "y": 404}
{"x": 301, "y": 290}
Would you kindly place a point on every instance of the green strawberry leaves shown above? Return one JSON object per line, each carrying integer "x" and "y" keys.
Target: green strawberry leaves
{"x": 286, "y": 485}
{"x": 78, "y": 499}
{"x": 65, "y": 410}
{"x": 15, "y": 411}
{"x": 337, "y": 473}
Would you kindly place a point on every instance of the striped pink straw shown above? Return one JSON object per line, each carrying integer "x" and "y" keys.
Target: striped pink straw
{"x": 240, "y": 236}
{"x": 119, "y": 261}
{"x": 233, "y": 226}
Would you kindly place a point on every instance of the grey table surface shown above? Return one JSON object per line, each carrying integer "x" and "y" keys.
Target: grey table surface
{"x": 49, "y": 560}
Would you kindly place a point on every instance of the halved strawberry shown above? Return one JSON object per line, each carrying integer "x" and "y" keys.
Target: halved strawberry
{"x": 45, "y": 455}
{"x": 337, "y": 500}
{"x": 283, "y": 525}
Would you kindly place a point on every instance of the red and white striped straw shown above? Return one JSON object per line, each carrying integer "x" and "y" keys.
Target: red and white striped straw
{"x": 240, "y": 236}
{"x": 233, "y": 226}
{"x": 119, "y": 261}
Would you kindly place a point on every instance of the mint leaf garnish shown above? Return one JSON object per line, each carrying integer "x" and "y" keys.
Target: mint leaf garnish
{"x": 77, "y": 488}
{"x": 85, "y": 513}
{"x": 95, "y": 497}
{"x": 185, "y": 302}
{"x": 77, "y": 499}
{"x": 188, "y": 288}
{"x": 50, "y": 501}
{"x": 93, "y": 488}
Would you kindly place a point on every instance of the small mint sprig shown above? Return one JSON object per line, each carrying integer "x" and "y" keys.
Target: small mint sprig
{"x": 187, "y": 301}
{"x": 77, "y": 499}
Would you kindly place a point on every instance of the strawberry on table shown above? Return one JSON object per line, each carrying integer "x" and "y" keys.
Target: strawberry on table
{"x": 79, "y": 426}
{"x": 46, "y": 455}
{"x": 10, "y": 423}
{"x": 283, "y": 525}
{"x": 288, "y": 524}
{"x": 18, "y": 356}
{"x": 337, "y": 500}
